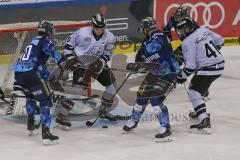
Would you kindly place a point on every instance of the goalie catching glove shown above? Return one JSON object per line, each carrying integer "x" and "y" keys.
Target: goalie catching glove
{"x": 70, "y": 64}
{"x": 97, "y": 66}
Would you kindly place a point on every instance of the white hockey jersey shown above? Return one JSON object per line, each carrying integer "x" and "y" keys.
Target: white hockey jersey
{"x": 83, "y": 42}
{"x": 201, "y": 53}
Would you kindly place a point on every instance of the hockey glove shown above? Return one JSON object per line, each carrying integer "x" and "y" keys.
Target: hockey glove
{"x": 70, "y": 64}
{"x": 97, "y": 66}
{"x": 180, "y": 78}
{"x": 133, "y": 66}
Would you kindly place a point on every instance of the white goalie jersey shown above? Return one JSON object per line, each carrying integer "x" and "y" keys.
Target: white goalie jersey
{"x": 201, "y": 53}
{"x": 82, "y": 42}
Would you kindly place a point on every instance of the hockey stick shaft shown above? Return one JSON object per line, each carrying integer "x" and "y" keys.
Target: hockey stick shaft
{"x": 186, "y": 88}
{"x": 89, "y": 123}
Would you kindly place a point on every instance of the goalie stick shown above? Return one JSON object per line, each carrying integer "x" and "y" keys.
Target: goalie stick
{"x": 89, "y": 123}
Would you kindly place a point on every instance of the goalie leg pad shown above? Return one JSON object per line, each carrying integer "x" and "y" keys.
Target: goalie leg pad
{"x": 64, "y": 107}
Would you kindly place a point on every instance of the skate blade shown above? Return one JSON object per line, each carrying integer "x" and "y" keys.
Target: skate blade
{"x": 163, "y": 140}
{"x": 62, "y": 127}
{"x": 201, "y": 131}
{"x": 49, "y": 142}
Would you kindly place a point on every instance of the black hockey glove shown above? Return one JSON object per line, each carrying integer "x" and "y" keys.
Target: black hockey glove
{"x": 180, "y": 78}
{"x": 133, "y": 66}
{"x": 97, "y": 66}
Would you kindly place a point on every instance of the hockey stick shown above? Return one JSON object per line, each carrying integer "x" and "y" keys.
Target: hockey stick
{"x": 89, "y": 123}
{"x": 186, "y": 88}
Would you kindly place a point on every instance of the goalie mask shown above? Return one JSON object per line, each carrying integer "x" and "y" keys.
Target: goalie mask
{"x": 181, "y": 12}
{"x": 98, "y": 21}
{"x": 45, "y": 27}
{"x": 147, "y": 23}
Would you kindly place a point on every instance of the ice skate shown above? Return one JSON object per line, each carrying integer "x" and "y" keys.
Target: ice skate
{"x": 203, "y": 127}
{"x": 63, "y": 123}
{"x": 131, "y": 124}
{"x": 47, "y": 137}
{"x": 164, "y": 135}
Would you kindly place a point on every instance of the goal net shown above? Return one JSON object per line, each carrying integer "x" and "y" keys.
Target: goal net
{"x": 15, "y": 37}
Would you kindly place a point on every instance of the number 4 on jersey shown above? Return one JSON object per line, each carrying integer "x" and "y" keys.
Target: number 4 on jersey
{"x": 211, "y": 51}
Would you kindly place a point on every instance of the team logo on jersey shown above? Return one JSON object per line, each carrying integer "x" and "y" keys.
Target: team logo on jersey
{"x": 38, "y": 92}
{"x": 87, "y": 39}
{"x": 152, "y": 57}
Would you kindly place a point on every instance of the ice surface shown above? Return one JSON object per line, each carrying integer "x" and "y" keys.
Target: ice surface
{"x": 96, "y": 143}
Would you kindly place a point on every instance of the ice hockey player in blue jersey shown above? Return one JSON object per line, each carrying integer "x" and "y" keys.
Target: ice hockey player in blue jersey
{"x": 156, "y": 49}
{"x": 31, "y": 75}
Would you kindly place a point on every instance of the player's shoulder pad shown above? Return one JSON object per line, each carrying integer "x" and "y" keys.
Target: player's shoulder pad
{"x": 46, "y": 40}
{"x": 157, "y": 35}
{"x": 84, "y": 30}
{"x": 110, "y": 34}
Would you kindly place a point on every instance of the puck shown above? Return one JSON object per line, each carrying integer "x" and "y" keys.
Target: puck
{"x": 104, "y": 126}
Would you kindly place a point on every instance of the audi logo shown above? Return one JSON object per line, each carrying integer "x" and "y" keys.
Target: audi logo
{"x": 207, "y": 12}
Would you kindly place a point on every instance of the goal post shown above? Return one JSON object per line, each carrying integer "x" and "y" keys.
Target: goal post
{"x": 15, "y": 37}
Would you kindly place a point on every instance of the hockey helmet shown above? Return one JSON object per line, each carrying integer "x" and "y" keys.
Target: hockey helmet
{"x": 185, "y": 22}
{"x": 181, "y": 12}
{"x": 98, "y": 21}
{"x": 147, "y": 23}
{"x": 185, "y": 27}
{"x": 45, "y": 27}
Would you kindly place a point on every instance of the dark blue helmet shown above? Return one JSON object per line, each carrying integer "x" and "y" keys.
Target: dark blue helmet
{"x": 98, "y": 21}
{"x": 147, "y": 23}
{"x": 45, "y": 27}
